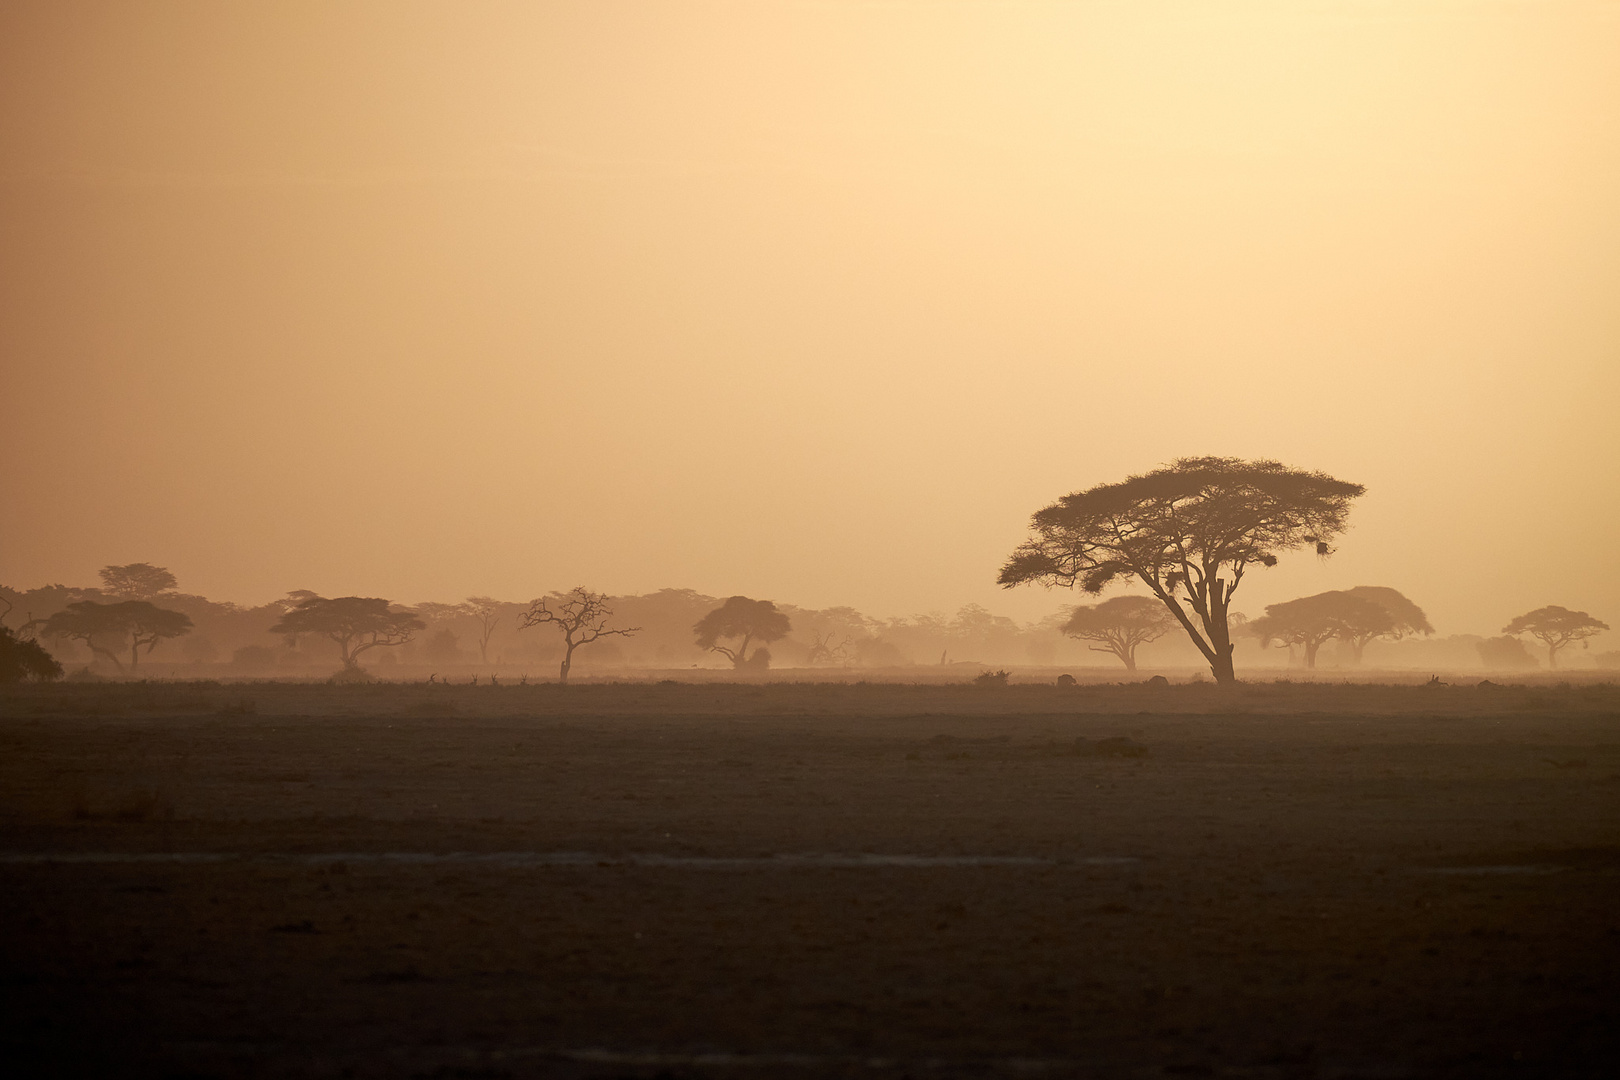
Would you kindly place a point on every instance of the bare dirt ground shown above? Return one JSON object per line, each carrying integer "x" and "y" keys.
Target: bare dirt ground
{"x": 810, "y": 880}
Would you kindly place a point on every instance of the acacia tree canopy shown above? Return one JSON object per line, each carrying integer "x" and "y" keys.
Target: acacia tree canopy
{"x": 144, "y": 623}
{"x": 136, "y": 581}
{"x": 1555, "y": 627}
{"x": 744, "y": 620}
{"x": 581, "y": 616}
{"x": 1401, "y": 618}
{"x": 1189, "y": 531}
{"x": 355, "y": 623}
{"x": 1120, "y": 624}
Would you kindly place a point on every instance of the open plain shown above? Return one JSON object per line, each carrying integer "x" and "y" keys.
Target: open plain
{"x": 780, "y": 879}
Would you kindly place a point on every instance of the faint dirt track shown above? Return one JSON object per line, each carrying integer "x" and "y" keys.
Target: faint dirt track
{"x": 642, "y": 880}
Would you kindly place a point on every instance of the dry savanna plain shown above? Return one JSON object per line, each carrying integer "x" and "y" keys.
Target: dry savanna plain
{"x": 659, "y": 879}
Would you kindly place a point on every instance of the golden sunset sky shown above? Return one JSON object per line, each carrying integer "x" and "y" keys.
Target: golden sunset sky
{"x": 815, "y": 302}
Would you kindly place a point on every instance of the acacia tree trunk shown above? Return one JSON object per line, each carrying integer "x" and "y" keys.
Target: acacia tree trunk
{"x": 1552, "y": 654}
{"x": 1216, "y": 647}
{"x": 567, "y": 662}
{"x": 1220, "y": 635}
{"x": 1310, "y": 653}
{"x": 108, "y": 653}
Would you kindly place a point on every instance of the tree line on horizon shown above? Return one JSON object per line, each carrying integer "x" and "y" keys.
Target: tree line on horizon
{"x": 1189, "y": 532}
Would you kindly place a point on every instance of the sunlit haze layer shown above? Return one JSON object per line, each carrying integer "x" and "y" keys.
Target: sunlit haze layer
{"x": 815, "y": 302}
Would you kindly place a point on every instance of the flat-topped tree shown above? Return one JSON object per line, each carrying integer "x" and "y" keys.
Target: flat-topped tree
{"x": 1311, "y": 621}
{"x": 743, "y": 621}
{"x": 1188, "y": 531}
{"x": 1555, "y": 627}
{"x": 138, "y": 622}
{"x": 1120, "y": 624}
{"x": 1401, "y": 618}
{"x": 136, "y": 581}
{"x": 356, "y": 623}
{"x": 581, "y": 616}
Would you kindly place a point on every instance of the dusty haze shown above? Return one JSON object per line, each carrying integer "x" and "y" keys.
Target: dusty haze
{"x": 809, "y": 301}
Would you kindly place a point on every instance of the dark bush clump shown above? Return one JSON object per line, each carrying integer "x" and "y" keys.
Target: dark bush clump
{"x": 25, "y": 660}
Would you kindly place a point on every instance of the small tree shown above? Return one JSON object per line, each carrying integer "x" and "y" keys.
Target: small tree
{"x": 1188, "y": 531}
{"x": 487, "y": 611}
{"x": 579, "y": 614}
{"x": 356, "y": 623}
{"x": 1556, "y": 627}
{"x": 1120, "y": 624}
{"x": 746, "y": 621}
{"x": 825, "y": 648}
{"x": 143, "y": 623}
{"x": 136, "y": 581}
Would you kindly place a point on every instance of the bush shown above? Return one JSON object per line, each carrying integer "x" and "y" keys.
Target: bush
{"x": 1505, "y": 652}
{"x": 990, "y": 678}
{"x": 24, "y": 659}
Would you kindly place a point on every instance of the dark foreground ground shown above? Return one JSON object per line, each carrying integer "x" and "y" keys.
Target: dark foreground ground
{"x": 871, "y": 881}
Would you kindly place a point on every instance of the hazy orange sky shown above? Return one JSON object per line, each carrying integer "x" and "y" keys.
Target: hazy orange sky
{"x": 808, "y": 301}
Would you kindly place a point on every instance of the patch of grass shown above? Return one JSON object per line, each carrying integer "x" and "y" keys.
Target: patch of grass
{"x": 132, "y": 806}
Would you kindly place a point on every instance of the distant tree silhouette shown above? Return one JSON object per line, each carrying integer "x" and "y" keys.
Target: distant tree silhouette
{"x": 1189, "y": 531}
{"x": 826, "y": 648}
{"x": 1555, "y": 627}
{"x": 1312, "y": 620}
{"x": 1504, "y": 652}
{"x": 745, "y": 621}
{"x": 1121, "y": 624}
{"x": 145, "y": 624}
{"x": 579, "y": 614}
{"x": 1402, "y": 618}
{"x": 356, "y": 623}
{"x": 487, "y": 610}
{"x": 136, "y": 581}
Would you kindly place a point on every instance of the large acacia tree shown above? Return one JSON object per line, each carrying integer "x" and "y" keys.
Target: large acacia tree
{"x": 1189, "y": 531}
{"x": 355, "y": 623}
{"x": 1555, "y": 627}
{"x": 744, "y": 621}
{"x": 139, "y": 623}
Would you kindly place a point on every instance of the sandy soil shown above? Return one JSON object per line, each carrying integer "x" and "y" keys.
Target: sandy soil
{"x": 838, "y": 880}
